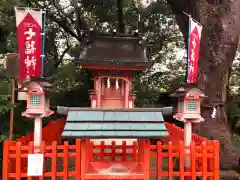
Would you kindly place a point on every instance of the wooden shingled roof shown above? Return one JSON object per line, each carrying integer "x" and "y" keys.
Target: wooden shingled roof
{"x": 117, "y": 50}
{"x": 114, "y": 124}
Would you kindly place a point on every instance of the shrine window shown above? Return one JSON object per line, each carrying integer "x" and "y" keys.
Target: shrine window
{"x": 191, "y": 105}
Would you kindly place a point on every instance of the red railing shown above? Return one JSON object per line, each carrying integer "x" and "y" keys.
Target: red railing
{"x": 114, "y": 152}
{"x": 176, "y": 135}
{"x": 51, "y": 132}
{"x": 65, "y": 160}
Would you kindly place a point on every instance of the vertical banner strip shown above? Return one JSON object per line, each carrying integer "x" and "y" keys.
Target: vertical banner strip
{"x": 188, "y": 51}
{"x": 193, "y": 50}
{"x": 43, "y": 40}
{"x": 29, "y": 29}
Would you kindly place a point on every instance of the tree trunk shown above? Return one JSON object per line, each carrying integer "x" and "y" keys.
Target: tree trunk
{"x": 219, "y": 42}
{"x": 121, "y": 27}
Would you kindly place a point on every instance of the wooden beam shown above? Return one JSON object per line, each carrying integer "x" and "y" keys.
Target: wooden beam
{"x": 165, "y": 111}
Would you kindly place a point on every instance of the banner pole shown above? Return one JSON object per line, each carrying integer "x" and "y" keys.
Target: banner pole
{"x": 188, "y": 54}
{"x": 192, "y": 18}
{"x": 24, "y": 8}
{"x": 12, "y": 109}
{"x": 43, "y": 40}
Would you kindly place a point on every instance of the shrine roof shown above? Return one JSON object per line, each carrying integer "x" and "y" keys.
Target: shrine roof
{"x": 116, "y": 50}
{"x": 44, "y": 83}
{"x": 185, "y": 88}
{"x": 114, "y": 123}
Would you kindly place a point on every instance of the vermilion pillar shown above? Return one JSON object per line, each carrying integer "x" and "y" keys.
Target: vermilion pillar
{"x": 99, "y": 92}
{"x": 126, "y": 94}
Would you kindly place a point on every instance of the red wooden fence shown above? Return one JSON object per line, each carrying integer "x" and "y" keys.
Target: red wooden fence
{"x": 64, "y": 161}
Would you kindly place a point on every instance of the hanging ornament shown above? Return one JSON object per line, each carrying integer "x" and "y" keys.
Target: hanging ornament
{"x": 214, "y": 112}
{"x": 108, "y": 82}
{"x": 117, "y": 84}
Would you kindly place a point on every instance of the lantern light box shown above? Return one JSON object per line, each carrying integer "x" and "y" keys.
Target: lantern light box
{"x": 189, "y": 103}
{"x": 38, "y": 104}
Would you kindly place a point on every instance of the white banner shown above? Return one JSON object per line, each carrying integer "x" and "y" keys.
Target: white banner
{"x": 21, "y": 14}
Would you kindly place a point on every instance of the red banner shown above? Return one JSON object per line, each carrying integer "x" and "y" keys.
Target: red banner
{"x": 193, "y": 51}
{"x": 29, "y": 28}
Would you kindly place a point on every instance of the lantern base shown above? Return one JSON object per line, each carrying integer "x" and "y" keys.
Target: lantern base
{"x": 32, "y": 113}
{"x": 194, "y": 118}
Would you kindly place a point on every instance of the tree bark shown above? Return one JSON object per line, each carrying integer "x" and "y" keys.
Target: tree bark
{"x": 219, "y": 42}
{"x": 120, "y": 16}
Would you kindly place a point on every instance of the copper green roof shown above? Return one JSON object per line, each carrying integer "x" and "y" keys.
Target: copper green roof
{"x": 117, "y": 50}
{"x": 114, "y": 124}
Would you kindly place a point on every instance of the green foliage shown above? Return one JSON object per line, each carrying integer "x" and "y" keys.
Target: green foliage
{"x": 234, "y": 116}
{"x": 65, "y": 21}
{"x": 5, "y": 89}
{"x": 8, "y": 41}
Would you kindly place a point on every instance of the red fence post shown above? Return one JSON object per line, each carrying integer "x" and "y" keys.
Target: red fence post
{"x": 5, "y": 159}
{"x": 141, "y": 150}
{"x": 216, "y": 173}
{"x": 30, "y": 151}
{"x": 113, "y": 149}
{"x": 146, "y": 160}
{"x": 124, "y": 150}
{"x": 65, "y": 161}
{"x": 181, "y": 160}
{"x": 159, "y": 160}
{"x": 83, "y": 159}
{"x": 102, "y": 151}
{"x": 18, "y": 161}
{"x": 54, "y": 160}
{"x": 134, "y": 151}
{"x": 193, "y": 160}
{"x": 42, "y": 150}
{"x": 210, "y": 160}
{"x": 78, "y": 159}
{"x": 90, "y": 151}
{"x": 170, "y": 161}
{"x": 204, "y": 160}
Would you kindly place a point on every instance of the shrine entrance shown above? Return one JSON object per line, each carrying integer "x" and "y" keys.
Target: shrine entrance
{"x": 114, "y": 161}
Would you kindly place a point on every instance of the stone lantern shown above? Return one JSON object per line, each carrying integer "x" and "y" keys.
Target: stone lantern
{"x": 37, "y": 90}
{"x": 188, "y": 112}
{"x": 189, "y": 104}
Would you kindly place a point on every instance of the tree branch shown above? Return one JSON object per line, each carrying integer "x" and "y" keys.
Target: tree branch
{"x": 78, "y": 16}
{"x": 121, "y": 27}
{"x": 62, "y": 56}
{"x": 64, "y": 24}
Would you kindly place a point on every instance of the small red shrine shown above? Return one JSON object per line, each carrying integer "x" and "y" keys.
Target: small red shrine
{"x": 113, "y": 59}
